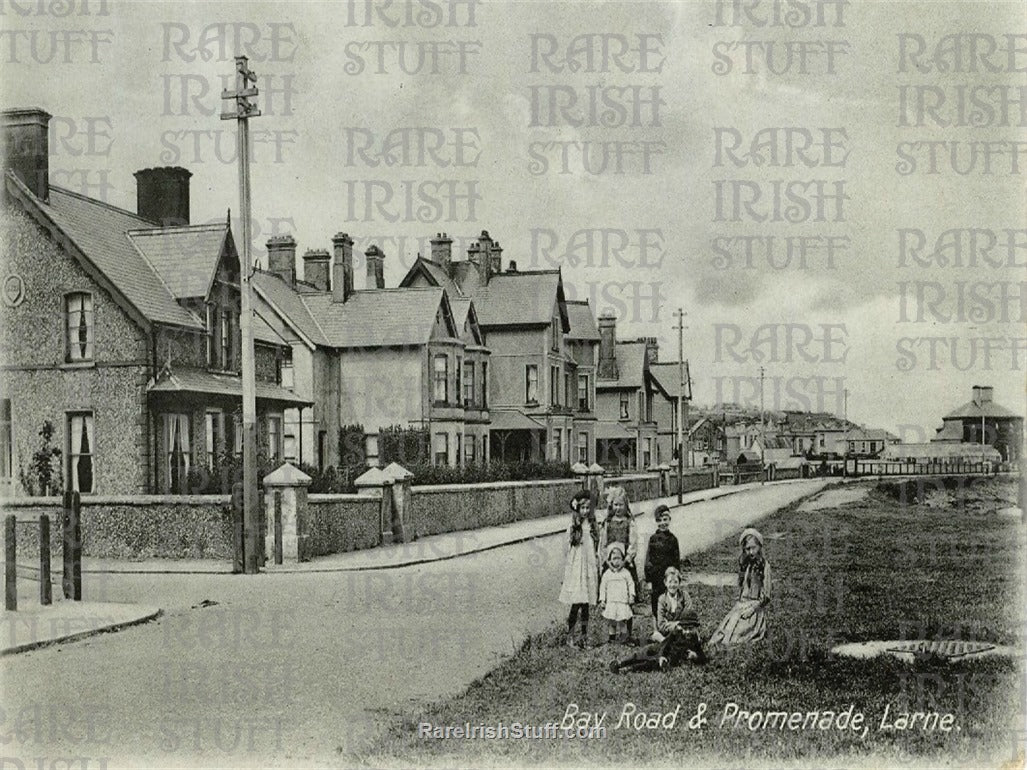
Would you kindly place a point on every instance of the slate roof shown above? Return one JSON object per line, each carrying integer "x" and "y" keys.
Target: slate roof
{"x": 630, "y": 365}
{"x": 669, "y": 378}
{"x": 512, "y": 299}
{"x": 869, "y": 434}
{"x": 972, "y": 409}
{"x": 201, "y": 381}
{"x": 583, "y": 325}
{"x": 378, "y": 317}
{"x": 185, "y": 258}
{"x": 291, "y": 304}
{"x": 100, "y": 231}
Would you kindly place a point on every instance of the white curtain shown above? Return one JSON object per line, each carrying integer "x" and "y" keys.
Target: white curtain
{"x": 76, "y": 449}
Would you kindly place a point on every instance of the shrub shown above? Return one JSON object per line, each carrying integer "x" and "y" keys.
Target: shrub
{"x": 43, "y": 475}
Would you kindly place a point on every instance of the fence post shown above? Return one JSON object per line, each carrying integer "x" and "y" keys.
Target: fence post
{"x": 71, "y": 580}
{"x": 45, "y": 589}
{"x": 10, "y": 563}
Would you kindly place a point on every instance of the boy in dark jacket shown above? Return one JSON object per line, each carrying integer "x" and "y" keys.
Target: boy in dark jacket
{"x": 662, "y": 552}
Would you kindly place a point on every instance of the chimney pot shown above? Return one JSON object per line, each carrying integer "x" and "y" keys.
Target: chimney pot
{"x": 281, "y": 257}
{"x": 342, "y": 267}
{"x": 316, "y": 270}
{"x": 26, "y": 148}
{"x": 162, "y": 195}
{"x": 375, "y": 268}
{"x": 442, "y": 252}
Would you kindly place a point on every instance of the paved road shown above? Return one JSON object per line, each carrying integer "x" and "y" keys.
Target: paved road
{"x": 295, "y": 668}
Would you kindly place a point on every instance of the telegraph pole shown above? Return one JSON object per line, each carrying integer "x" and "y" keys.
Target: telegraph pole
{"x": 682, "y": 413}
{"x": 845, "y": 414}
{"x": 244, "y": 110}
{"x": 763, "y": 434}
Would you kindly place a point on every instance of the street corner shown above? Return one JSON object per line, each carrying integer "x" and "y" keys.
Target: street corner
{"x": 66, "y": 621}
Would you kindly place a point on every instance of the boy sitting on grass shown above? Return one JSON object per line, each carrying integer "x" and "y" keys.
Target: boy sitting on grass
{"x": 678, "y": 622}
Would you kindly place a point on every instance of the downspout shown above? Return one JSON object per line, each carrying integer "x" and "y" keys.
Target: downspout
{"x": 151, "y": 428}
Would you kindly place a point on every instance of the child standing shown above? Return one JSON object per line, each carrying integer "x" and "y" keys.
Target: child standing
{"x": 678, "y": 622}
{"x": 581, "y": 569}
{"x": 619, "y": 527}
{"x": 661, "y": 552}
{"x": 747, "y": 620}
{"x": 616, "y": 593}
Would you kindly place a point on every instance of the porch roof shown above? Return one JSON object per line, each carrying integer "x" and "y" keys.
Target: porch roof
{"x": 511, "y": 419}
{"x": 214, "y": 384}
{"x": 606, "y": 430}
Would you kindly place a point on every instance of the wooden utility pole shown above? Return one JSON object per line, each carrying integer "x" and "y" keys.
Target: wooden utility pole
{"x": 682, "y": 408}
{"x": 244, "y": 110}
{"x": 763, "y": 434}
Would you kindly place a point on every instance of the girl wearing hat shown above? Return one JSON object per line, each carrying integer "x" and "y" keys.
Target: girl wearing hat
{"x": 581, "y": 569}
{"x": 747, "y": 620}
{"x": 616, "y": 594}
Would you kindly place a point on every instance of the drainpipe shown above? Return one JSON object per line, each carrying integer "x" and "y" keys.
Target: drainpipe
{"x": 151, "y": 428}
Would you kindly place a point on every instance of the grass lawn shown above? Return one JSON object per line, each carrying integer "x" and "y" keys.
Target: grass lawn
{"x": 947, "y": 566}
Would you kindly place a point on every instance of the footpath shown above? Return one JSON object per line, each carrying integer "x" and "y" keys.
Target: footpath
{"x": 35, "y": 626}
{"x": 449, "y": 545}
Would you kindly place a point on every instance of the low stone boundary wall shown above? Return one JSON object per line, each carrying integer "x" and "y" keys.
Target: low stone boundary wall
{"x": 200, "y": 526}
{"x": 135, "y": 527}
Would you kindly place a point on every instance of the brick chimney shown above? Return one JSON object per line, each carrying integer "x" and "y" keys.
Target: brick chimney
{"x": 281, "y": 257}
{"x": 496, "y": 255}
{"x": 982, "y": 394}
{"x": 442, "y": 252}
{"x": 162, "y": 195}
{"x": 607, "y": 369}
{"x": 375, "y": 267}
{"x": 652, "y": 349}
{"x": 316, "y": 270}
{"x": 26, "y": 148}
{"x": 342, "y": 267}
{"x": 484, "y": 254}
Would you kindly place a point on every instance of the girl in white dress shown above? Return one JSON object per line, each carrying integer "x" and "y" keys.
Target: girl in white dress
{"x": 581, "y": 567}
{"x": 616, "y": 594}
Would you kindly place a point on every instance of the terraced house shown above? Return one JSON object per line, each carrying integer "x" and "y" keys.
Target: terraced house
{"x": 121, "y": 331}
{"x": 541, "y": 385}
{"x": 376, "y": 357}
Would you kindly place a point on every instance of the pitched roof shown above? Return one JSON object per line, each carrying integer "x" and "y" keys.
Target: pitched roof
{"x": 378, "y": 317}
{"x": 583, "y": 325}
{"x": 290, "y": 305}
{"x": 630, "y": 365}
{"x": 666, "y": 373}
{"x": 516, "y": 299}
{"x": 185, "y": 258}
{"x": 869, "y": 434}
{"x": 100, "y": 232}
{"x": 185, "y": 380}
{"x": 973, "y": 409}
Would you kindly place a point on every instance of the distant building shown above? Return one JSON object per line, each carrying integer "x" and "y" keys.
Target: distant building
{"x": 940, "y": 452}
{"x": 982, "y": 421}
{"x": 868, "y": 442}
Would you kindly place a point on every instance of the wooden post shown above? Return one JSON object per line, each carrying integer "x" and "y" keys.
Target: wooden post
{"x": 71, "y": 579}
{"x": 45, "y": 589}
{"x": 10, "y": 563}
{"x": 74, "y": 539}
{"x": 237, "y": 527}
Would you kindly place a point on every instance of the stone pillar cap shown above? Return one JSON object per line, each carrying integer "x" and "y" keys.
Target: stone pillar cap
{"x": 596, "y": 468}
{"x": 373, "y": 477}
{"x": 579, "y": 468}
{"x": 397, "y": 472}
{"x": 287, "y": 475}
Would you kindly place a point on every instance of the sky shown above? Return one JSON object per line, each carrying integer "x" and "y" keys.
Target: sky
{"x": 614, "y": 141}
